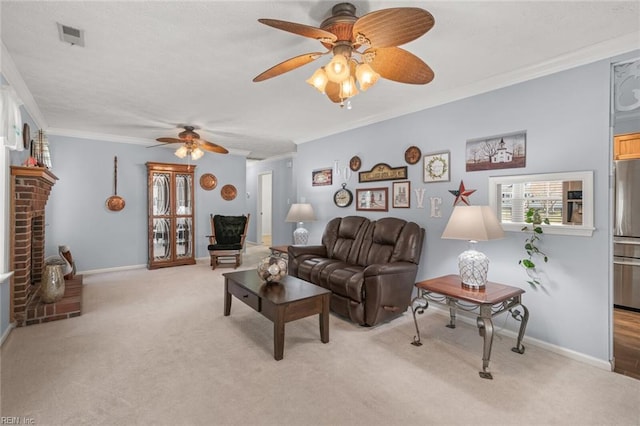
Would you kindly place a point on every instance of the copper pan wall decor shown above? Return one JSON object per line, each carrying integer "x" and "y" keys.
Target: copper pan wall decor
{"x": 115, "y": 203}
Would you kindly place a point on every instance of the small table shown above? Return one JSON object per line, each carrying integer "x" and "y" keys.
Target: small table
{"x": 492, "y": 300}
{"x": 288, "y": 300}
{"x": 281, "y": 251}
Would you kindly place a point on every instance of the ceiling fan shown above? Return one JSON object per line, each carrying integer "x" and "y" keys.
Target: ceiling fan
{"x": 379, "y": 33}
{"x": 192, "y": 144}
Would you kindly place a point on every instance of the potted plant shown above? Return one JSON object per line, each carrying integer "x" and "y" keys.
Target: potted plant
{"x": 535, "y": 231}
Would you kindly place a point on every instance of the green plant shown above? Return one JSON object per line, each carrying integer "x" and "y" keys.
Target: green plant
{"x": 530, "y": 244}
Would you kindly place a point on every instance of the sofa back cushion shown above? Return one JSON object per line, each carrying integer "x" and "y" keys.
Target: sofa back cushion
{"x": 391, "y": 239}
{"x": 343, "y": 237}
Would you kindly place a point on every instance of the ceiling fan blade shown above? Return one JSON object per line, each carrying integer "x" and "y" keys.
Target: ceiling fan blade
{"x": 394, "y": 63}
{"x": 170, "y": 140}
{"x": 288, "y": 65}
{"x": 393, "y": 27}
{"x": 333, "y": 92}
{"x": 300, "y": 29}
{"x": 212, "y": 147}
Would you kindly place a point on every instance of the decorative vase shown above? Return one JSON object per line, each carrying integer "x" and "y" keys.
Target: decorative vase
{"x": 272, "y": 269}
{"x": 52, "y": 287}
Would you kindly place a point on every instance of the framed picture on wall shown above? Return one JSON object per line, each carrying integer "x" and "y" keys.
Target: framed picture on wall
{"x": 372, "y": 199}
{"x": 401, "y": 195}
{"x": 436, "y": 167}
{"x": 506, "y": 151}
{"x": 322, "y": 177}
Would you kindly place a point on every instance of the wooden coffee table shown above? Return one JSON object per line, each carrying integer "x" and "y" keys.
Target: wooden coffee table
{"x": 490, "y": 301}
{"x": 282, "y": 302}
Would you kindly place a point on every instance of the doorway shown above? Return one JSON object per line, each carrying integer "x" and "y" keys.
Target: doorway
{"x": 264, "y": 208}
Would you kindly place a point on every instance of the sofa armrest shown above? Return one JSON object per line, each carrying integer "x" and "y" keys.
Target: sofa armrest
{"x": 387, "y": 289}
{"x": 296, "y": 251}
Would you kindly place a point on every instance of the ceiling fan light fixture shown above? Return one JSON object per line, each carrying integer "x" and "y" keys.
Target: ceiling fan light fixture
{"x": 196, "y": 154}
{"x": 338, "y": 69}
{"x": 366, "y": 76}
{"x": 319, "y": 80}
{"x": 181, "y": 152}
{"x": 348, "y": 88}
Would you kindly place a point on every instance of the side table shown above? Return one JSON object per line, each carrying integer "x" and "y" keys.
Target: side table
{"x": 490, "y": 301}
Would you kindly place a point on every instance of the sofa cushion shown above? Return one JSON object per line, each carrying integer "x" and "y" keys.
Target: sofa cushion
{"x": 343, "y": 237}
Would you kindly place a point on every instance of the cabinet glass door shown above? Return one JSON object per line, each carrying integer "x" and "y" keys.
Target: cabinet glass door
{"x": 161, "y": 239}
{"x": 183, "y": 194}
{"x": 184, "y": 233}
{"x": 161, "y": 191}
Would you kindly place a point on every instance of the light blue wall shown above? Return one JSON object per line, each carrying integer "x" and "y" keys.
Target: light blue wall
{"x": 283, "y": 193}
{"x": 566, "y": 117}
{"x": 99, "y": 238}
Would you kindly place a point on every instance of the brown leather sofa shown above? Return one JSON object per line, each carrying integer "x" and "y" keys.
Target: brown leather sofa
{"x": 369, "y": 266}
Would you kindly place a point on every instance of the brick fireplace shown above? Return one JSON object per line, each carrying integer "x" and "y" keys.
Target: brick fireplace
{"x": 30, "y": 189}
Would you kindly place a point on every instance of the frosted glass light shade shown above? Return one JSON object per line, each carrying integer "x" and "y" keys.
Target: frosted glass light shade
{"x": 348, "y": 88}
{"x": 338, "y": 69}
{"x": 181, "y": 152}
{"x": 473, "y": 223}
{"x": 366, "y": 76}
{"x": 319, "y": 80}
{"x": 196, "y": 154}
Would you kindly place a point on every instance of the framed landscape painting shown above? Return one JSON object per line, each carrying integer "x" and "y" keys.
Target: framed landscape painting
{"x": 497, "y": 152}
{"x": 322, "y": 177}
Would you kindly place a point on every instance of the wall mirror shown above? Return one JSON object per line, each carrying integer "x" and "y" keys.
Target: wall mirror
{"x": 566, "y": 199}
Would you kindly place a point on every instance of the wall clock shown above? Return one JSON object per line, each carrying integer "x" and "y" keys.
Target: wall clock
{"x": 343, "y": 197}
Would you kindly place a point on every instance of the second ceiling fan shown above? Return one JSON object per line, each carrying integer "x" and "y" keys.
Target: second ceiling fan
{"x": 192, "y": 144}
{"x": 379, "y": 33}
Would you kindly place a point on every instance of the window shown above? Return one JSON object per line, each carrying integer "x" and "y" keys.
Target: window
{"x": 558, "y": 197}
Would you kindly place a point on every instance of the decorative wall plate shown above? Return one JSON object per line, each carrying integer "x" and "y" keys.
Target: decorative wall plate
{"x": 355, "y": 163}
{"x": 412, "y": 155}
{"x": 208, "y": 181}
{"x": 26, "y": 135}
{"x": 228, "y": 192}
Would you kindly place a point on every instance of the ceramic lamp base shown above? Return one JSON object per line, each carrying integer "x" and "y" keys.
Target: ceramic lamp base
{"x": 474, "y": 266}
{"x": 300, "y": 236}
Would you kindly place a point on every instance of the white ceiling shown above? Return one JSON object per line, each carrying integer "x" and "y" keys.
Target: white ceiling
{"x": 149, "y": 66}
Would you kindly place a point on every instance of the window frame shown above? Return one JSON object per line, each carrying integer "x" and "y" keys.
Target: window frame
{"x": 587, "y": 227}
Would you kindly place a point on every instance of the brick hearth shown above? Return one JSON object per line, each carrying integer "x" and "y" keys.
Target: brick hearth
{"x": 30, "y": 189}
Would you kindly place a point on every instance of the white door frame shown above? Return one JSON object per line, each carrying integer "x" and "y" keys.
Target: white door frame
{"x": 259, "y": 204}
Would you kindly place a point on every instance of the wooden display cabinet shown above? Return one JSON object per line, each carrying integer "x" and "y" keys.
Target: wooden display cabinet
{"x": 171, "y": 215}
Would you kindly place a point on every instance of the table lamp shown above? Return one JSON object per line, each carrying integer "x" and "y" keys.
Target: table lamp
{"x": 300, "y": 213}
{"x": 473, "y": 223}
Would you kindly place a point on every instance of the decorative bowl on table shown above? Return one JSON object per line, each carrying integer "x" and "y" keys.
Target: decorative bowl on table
{"x": 272, "y": 269}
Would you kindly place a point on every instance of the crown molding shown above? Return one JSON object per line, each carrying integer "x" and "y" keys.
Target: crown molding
{"x": 15, "y": 80}
{"x": 597, "y": 52}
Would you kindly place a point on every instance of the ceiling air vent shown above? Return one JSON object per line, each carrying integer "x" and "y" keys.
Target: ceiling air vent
{"x": 71, "y": 35}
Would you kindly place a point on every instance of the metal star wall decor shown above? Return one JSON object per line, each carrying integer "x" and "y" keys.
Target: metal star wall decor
{"x": 462, "y": 194}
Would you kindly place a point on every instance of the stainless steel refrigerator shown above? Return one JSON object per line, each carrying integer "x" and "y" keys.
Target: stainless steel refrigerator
{"x": 626, "y": 260}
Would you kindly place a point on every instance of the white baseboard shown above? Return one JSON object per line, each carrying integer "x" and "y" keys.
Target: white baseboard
{"x": 578, "y": 356}
{"x": 6, "y": 333}
{"x": 116, "y": 269}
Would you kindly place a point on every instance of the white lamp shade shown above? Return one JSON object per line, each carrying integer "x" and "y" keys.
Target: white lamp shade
{"x": 196, "y": 154}
{"x": 300, "y": 213}
{"x": 473, "y": 223}
{"x": 181, "y": 152}
{"x": 366, "y": 76}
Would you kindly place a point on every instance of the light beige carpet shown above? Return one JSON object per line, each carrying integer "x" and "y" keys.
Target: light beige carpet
{"x": 153, "y": 347}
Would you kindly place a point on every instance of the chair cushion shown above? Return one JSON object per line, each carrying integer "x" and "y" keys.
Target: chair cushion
{"x": 229, "y": 229}
{"x": 212, "y": 247}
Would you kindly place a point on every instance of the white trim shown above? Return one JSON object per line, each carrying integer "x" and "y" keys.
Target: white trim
{"x": 593, "y": 53}
{"x": 585, "y": 230}
{"x": 6, "y": 333}
{"x": 116, "y": 269}
{"x": 15, "y": 80}
{"x": 568, "y": 353}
